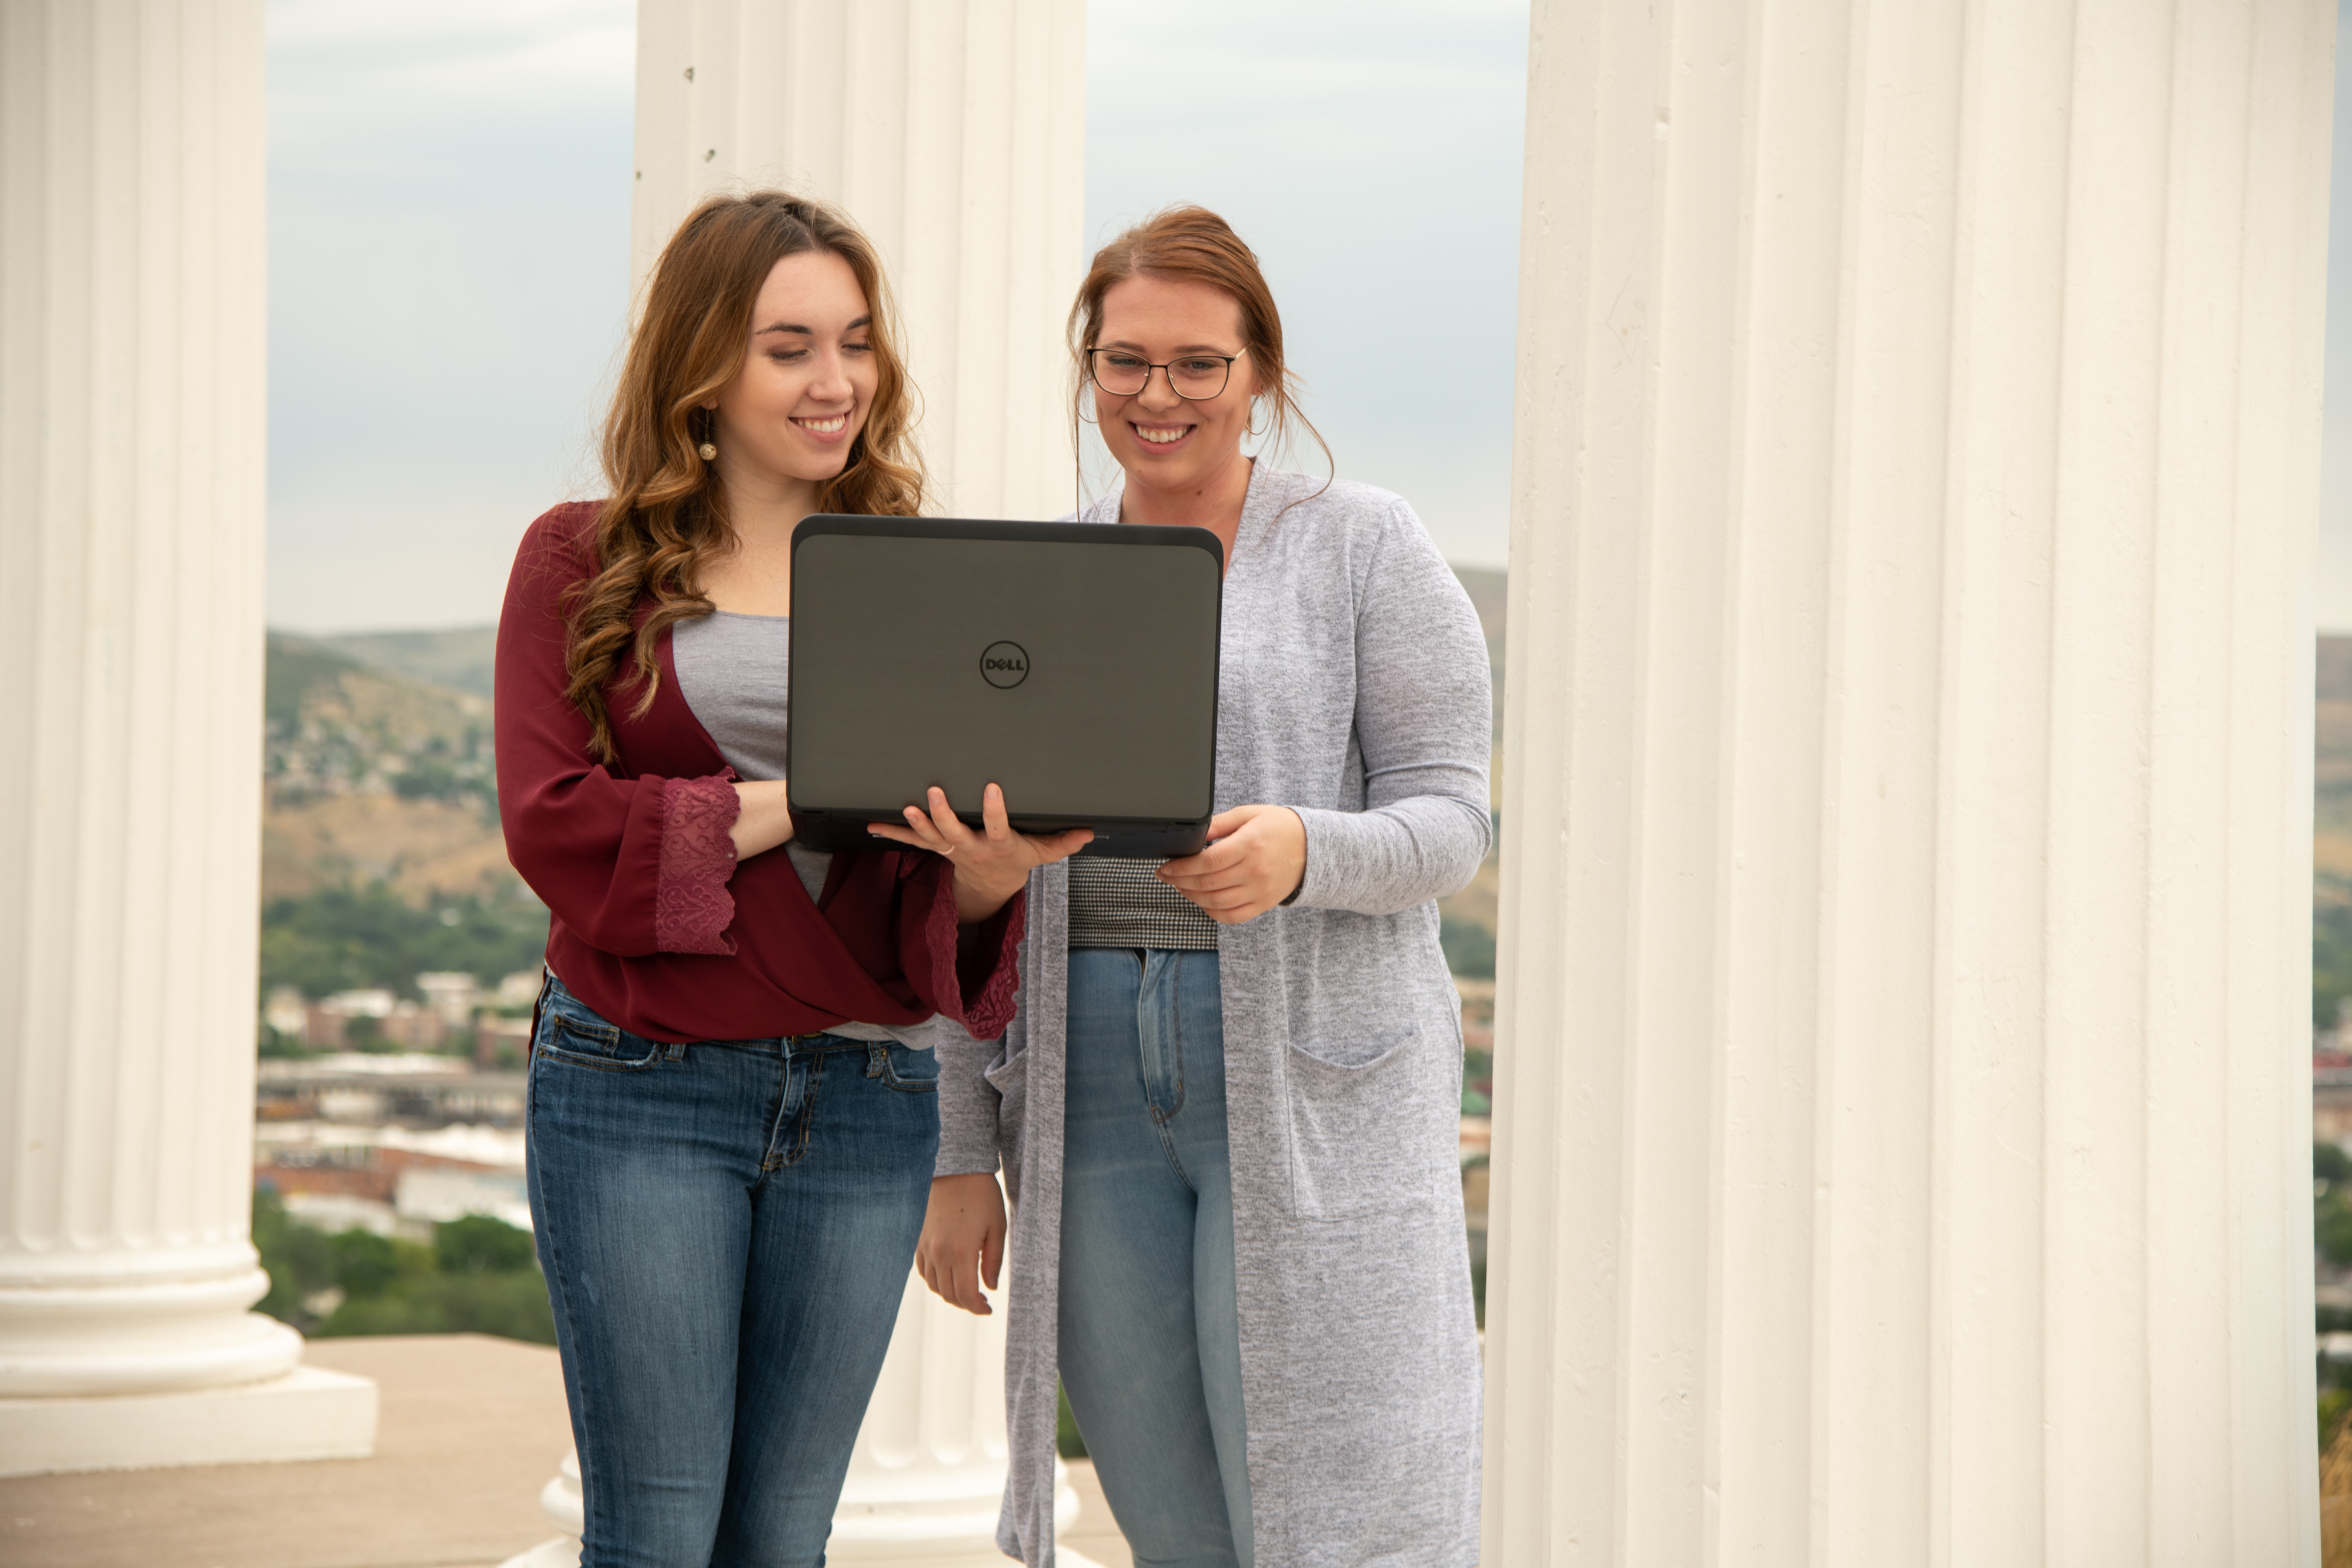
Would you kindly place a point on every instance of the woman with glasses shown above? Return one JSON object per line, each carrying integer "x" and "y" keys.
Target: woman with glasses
{"x": 732, "y": 1113}
{"x": 1227, "y": 1107}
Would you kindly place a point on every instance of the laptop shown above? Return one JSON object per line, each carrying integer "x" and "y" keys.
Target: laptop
{"x": 1074, "y": 664}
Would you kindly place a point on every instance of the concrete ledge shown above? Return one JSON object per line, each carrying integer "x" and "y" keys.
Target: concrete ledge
{"x": 470, "y": 1429}
{"x": 309, "y": 1412}
{"x": 564, "y": 1552}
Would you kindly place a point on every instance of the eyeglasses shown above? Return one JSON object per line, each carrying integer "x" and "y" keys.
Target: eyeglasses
{"x": 1194, "y": 376}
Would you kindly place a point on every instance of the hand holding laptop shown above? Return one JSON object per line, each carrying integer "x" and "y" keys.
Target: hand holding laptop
{"x": 990, "y": 865}
{"x": 1255, "y": 860}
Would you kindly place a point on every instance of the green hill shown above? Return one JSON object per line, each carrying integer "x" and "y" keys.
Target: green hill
{"x": 460, "y": 660}
{"x": 2331, "y": 844}
{"x": 381, "y": 848}
{"x": 336, "y": 725}
{"x": 1489, "y": 594}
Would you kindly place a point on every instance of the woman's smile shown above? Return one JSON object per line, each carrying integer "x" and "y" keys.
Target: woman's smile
{"x": 1161, "y": 436}
{"x": 824, "y": 427}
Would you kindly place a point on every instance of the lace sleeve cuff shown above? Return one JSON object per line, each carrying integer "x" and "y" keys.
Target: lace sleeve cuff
{"x": 990, "y": 979}
{"x": 692, "y": 907}
{"x": 975, "y": 981}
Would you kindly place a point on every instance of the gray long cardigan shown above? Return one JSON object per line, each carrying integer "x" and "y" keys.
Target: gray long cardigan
{"x": 1353, "y": 688}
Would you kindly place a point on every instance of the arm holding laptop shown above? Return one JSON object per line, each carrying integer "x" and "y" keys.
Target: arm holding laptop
{"x": 763, "y": 817}
{"x": 990, "y": 865}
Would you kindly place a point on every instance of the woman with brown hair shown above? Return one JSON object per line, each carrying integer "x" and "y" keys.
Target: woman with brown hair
{"x": 1226, "y": 1105}
{"x": 732, "y": 1113}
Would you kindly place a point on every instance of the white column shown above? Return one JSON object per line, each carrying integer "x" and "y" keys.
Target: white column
{"x": 131, "y": 326}
{"x": 1900, "y": 1142}
{"x": 927, "y": 1476}
{"x": 953, "y": 132}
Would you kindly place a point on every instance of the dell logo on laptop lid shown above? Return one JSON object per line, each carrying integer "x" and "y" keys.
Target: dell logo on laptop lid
{"x": 1005, "y": 664}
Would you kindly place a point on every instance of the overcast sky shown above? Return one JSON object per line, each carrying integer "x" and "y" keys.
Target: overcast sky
{"x": 449, "y": 219}
{"x": 449, "y": 216}
{"x": 2332, "y": 584}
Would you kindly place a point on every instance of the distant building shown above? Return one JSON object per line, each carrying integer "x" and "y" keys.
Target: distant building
{"x": 339, "y": 1174}
{"x": 322, "y": 1028}
{"x": 1478, "y": 1013}
{"x": 436, "y": 1193}
{"x": 520, "y": 990}
{"x": 450, "y": 996}
{"x": 287, "y": 1012}
{"x": 403, "y": 1025}
{"x": 2331, "y": 1103}
{"x": 416, "y": 1089}
{"x": 373, "y": 1002}
{"x": 501, "y": 1042}
{"x": 412, "y": 1028}
{"x": 336, "y": 1211}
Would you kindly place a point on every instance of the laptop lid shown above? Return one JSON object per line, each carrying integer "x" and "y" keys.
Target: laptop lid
{"x": 1074, "y": 664}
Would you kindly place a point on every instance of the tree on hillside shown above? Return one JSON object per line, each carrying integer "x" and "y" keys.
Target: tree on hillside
{"x": 2331, "y": 951}
{"x": 353, "y": 936}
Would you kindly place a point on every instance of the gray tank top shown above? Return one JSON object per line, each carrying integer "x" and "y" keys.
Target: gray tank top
{"x": 732, "y": 671}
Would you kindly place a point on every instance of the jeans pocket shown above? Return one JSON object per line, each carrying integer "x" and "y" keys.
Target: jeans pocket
{"x": 1376, "y": 1138}
{"x": 569, "y": 1032}
{"x": 909, "y": 1072}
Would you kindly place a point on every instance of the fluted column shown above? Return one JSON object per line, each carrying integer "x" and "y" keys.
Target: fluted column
{"x": 131, "y": 326}
{"x": 1900, "y": 1152}
{"x": 929, "y": 1474}
{"x": 954, "y": 132}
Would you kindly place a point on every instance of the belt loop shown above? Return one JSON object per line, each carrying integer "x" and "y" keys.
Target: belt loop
{"x": 676, "y": 1052}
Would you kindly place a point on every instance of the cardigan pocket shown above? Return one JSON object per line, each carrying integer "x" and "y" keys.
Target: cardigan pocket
{"x": 1009, "y": 1076}
{"x": 1364, "y": 1139}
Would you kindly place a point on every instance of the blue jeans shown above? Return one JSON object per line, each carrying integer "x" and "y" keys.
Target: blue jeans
{"x": 1151, "y": 1337}
{"x": 726, "y": 1230}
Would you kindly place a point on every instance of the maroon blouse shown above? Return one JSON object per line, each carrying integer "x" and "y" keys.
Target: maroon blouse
{"x": 654, "y": 925}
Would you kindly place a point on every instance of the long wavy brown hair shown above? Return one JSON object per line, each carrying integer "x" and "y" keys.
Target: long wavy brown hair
{"x": 666, "y": 518}
{"x": 1194, "y": 245}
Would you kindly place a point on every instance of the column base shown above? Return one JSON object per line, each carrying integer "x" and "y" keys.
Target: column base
{"x": 947, "y": 1533}
{"x": 309, "y": 1413}
{"x": 954, "y": 1532}
{"x": 564, "y": 1552}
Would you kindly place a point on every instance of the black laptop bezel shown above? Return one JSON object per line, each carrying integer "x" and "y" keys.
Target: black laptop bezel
{"x": 1138, "y": 837}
